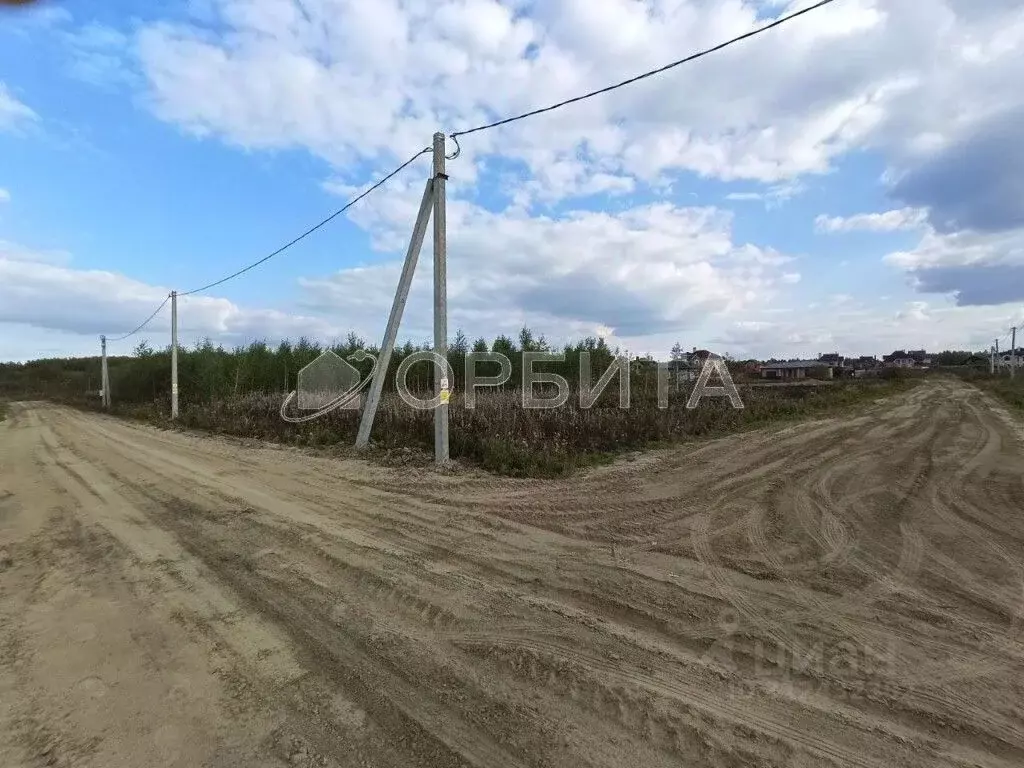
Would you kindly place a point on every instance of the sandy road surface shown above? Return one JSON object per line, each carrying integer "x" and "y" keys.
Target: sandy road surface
{"x": 846, "y": 592}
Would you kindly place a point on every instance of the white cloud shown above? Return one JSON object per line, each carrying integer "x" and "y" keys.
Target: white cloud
{"x": 636, "y": 271}
{"x": 98, "y": 55}
{"x": 12, "y": 252}
{"x": 352, "y": 81}
{"x": 866, "y": 328}
{"x": 916, "y": 82}
{"x": 889, "y": 221}
{"x": 48, "y": 308}
{"x": 5, "y": 196}
{"x": 976, "y": 268}
{"x": 40, "y": 291}
{"x": 279, "y": 77}
{"x": 962, "y": 249}
{"x": 13, "y": 113}
{"x": 772, "y": 197}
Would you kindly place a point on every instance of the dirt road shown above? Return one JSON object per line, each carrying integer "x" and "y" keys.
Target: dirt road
{"x": 845, "y": 592}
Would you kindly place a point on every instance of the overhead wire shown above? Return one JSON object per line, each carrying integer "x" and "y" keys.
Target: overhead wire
{"x": 645, "y": 75}
{"x": 455, "y": 136}
{"x": 312, "y": 229}
{"x": 144, "y": 323}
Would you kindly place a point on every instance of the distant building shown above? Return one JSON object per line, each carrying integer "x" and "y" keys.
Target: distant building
{"x": 686, "y": 368}
{"x": 796, "y": 369}
{"x": 865, "y": 363}
{"x": 1007, "y": 359}
{"x": 915, "y": 358}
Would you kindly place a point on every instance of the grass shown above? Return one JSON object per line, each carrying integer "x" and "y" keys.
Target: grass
{"x": 502, "y": 437}
{"x": 1010, "y": 391}
{"x": 4, "y": 409}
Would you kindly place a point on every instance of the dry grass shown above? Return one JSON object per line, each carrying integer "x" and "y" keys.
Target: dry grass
{"x": 501, "y": 436}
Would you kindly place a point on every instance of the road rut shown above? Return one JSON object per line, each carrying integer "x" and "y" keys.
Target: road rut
{"x": 843, "y": 592}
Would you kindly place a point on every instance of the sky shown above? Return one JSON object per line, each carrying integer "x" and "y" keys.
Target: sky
{"x": 851, "y": 181}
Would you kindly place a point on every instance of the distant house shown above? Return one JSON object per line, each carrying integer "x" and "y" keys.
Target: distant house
{"x": 898, "y": 359}
{"x": 915, "y": 358}
{"x": 686, "y": 368}
{"x": 865, "y": 363}
{"x": 1007, "y": 359}
{"x": 796, "y": 369}
{"x": 841, "y": 365}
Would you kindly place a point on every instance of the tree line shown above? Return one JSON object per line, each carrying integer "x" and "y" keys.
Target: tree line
{"x": 209, "y": 372}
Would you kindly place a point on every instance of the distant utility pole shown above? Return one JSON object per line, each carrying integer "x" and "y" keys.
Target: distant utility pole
{"x": 1013, "y": 352}
{"x": 174, "y": 354}
{"x": 992, "y": 359}
{"x": 104, "y": 374}
{"x": 441, "y": 383}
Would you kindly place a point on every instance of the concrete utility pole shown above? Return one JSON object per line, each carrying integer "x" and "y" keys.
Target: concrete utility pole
{"x": 442, "y": 387}
{"x": 174, "y": 354}
{"x": 992, "y": 360}
{"x": 419, "y": 233}
{"x": 1013, "y": 352}
{"x": 104, "y": 374}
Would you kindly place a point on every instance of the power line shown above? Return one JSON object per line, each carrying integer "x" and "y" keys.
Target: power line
{"x": 144, "y": 322}
{"x": 313, "y": 229}
{"x": 651, "y": 73}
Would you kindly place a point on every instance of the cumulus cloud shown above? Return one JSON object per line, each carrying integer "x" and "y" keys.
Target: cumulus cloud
{"x": 98, "y": 55}
{"x": 282, "y": 75}
{"x": 976, "y": 268}
{"x": 640, "y": 270}
{"x": 866, "y": 328}
{"x": 889, "y": 221}
{"x": 856, "y": 74}
{"x": 43, "y": 291}
{"x": 975, "y": 182}
{"x": 13, "y": 113}
{"x": 928, "y": 86}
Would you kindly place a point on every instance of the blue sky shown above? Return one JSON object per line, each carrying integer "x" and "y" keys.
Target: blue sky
{"x": 831, "y": 203}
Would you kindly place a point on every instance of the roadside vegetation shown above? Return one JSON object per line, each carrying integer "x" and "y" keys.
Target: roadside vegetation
{"x": 239, "y": 392}
{"x": 4, "y": 407}
{"x": 1009, "y": 390}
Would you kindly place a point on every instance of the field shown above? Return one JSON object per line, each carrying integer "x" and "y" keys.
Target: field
{"x": 499, "y": 435}
{"x": 839, "y": 592}
{"x": 240, "y": 392}
{"x": 1002, "y": 386}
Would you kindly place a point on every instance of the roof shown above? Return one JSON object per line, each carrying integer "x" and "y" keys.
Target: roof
{"x": 797, "y": 364}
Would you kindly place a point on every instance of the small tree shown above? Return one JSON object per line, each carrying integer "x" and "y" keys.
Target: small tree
{"x": 526, "y": 342}
{"x": 143, "y": 349}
